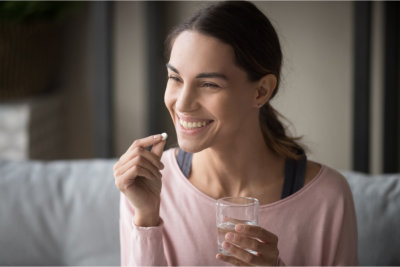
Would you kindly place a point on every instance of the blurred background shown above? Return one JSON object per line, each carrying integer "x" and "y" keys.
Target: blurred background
{"x": 85, "y": 79}
{"x": 80, "y": 81}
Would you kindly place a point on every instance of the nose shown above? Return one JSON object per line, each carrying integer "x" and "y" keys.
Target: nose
{"x": 187, "y": 99}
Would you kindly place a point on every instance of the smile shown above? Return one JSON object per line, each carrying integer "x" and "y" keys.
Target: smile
{"x": 192, "y": 124}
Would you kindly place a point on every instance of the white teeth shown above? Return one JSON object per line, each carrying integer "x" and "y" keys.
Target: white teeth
{"x": 192, "y": 125}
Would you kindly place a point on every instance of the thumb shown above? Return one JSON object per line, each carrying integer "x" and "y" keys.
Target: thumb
{"x": 159, "y": 147}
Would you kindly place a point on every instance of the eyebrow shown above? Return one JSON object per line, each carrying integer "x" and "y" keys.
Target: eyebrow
{"x": 202, "y": 75}
{"x": 169, "y": 66}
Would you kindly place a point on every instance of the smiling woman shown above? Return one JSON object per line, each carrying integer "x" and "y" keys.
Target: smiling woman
{"x": 224, "y": 67}
{"x": 214, "y": 90}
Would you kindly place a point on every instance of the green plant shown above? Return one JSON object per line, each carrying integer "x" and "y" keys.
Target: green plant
{"x": 24, "y": 11}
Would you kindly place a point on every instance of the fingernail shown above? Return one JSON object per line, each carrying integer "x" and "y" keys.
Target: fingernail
{"x": 229, "y": 236}
{"x": 226, "y": 245}
{"x": 157, "y": 136}
{"x": 239, "y": 227}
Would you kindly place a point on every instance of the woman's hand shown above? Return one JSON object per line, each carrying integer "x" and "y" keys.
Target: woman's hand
{"x": 137, "y": 175}
{"x": 255, "y": 238}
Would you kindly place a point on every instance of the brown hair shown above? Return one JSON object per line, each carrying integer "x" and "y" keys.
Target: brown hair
{"x": 257, "y": 51}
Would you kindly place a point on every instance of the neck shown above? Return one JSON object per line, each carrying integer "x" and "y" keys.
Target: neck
{"x": 241, "y": 168}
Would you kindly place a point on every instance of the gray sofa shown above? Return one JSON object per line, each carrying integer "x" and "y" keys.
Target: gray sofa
{"x": 66, "y": 213}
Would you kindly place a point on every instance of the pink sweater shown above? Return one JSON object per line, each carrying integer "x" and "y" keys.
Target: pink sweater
{"x": 315, "y": 226}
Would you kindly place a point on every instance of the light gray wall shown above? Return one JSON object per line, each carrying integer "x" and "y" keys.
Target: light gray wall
{"x": 316, "y": 91}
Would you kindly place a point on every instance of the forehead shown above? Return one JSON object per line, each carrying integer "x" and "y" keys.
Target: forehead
{"x": 196, "y": 52}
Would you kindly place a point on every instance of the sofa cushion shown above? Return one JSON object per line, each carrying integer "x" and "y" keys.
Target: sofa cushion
{"x": 67, "y": 212}
{"x": 377, "y": 203}
{"x": 58, "y": 213}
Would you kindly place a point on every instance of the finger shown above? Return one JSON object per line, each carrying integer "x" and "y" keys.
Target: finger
{"x": 231, "y": 260}
{"x": 133, "y": 173}
{"x": 146, "y": 142}
{"x": 257, "y": 232}
{"x": 129, "y": 154}
{"x": 123, "y": 182}
{"x": 246, "y": 242}
{"x": 141, "y": 152}
{"x": 140, "y": 162}
{"x": 141, "y": 143}
{"x": 126, "y": 156}
{"x": 242, "y": 254}
{"x": 122, "y": 161}
{"x": 159, "y": 148}
{"x": 266, "y": 251}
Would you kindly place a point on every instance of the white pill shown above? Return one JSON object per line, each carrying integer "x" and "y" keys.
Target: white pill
{"x": 164, "y": 136}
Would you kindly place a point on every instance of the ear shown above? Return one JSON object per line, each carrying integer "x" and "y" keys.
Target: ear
{"x": 265, "y": 88}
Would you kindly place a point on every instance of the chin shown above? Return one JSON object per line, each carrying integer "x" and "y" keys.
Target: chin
{"x": 190, "y": 146}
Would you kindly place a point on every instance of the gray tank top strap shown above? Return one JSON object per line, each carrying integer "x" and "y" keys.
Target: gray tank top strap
{"x": 294, "y": 172}
{"x": 185, "y": 162}
{"x": 294, "y": 176}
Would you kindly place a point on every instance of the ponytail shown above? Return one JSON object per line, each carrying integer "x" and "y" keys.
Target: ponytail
{"x": 275, "y": 135}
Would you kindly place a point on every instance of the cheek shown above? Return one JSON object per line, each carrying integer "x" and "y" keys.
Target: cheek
{"x": 231, "y": 105}
{"x": 169, "y": 98}
{"x": 234, "y": 111}
{"x": 223, "y": 107}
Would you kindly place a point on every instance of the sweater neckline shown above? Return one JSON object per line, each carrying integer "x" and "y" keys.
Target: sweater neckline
{"x": 285, "y": 201}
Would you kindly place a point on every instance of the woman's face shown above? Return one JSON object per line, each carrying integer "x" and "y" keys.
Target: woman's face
{"x": 209, "y": 97}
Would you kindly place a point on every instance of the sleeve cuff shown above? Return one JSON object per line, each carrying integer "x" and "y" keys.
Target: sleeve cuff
{"x": 147, "y": 232}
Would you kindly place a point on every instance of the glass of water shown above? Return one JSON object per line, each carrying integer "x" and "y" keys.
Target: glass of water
{"x": 232, "y": 211}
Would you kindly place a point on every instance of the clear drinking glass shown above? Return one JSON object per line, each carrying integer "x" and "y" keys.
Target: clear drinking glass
{"x": 232, "y": 211}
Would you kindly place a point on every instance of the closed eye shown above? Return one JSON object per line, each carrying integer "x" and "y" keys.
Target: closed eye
{"x": 174, "y": 78}
{"x": 211, "y": 85}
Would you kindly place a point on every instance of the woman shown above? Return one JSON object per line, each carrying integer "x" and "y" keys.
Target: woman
{"x": 223, "y": 69}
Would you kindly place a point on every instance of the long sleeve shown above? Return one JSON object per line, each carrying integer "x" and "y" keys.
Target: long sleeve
{"x": 320, "y": 227}
{"x": 334, "y": 230}
{"x": 140, "y": 246}
{"x": 347, "y": 236}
